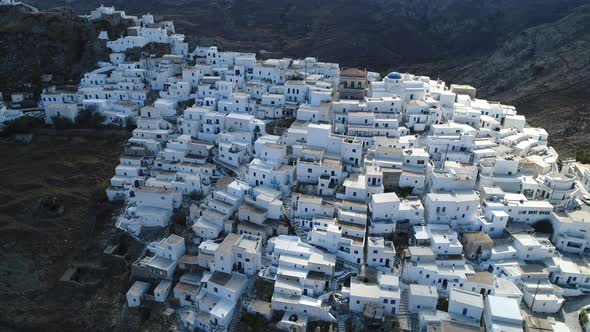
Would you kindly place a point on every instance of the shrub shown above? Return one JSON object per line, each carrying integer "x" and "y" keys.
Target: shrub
{"x": 61, "y": 122}
{"x": 130, "y": 124}
{"x": 583, "y": 157}
{"x": 403, "y": 192}
{"x": 22, "y": 125}
{"x": 89, "y": 119}
{"x": 584, "y": 319}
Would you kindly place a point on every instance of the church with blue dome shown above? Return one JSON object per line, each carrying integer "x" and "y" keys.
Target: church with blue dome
{"x": 394, "y": 75}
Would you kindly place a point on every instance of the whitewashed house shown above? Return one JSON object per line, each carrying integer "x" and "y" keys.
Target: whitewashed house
{"x": 136, "y": 293}
{"x": 381, "y": 291}
{"x": 422, "y": 297}
{"x": 466, "y": 303}
{"x": 502, "y": 314}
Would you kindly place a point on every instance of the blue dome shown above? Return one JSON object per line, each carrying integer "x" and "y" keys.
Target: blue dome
{"x": 394, "y": 75}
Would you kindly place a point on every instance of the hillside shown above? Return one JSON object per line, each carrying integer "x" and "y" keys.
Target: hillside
{"x": 375, "y": 33}
{"x": 532, "y": 53}
{"x": 56, "y": 42}
{"x": 543, "y": 70}
{"x": 53, "y": 213}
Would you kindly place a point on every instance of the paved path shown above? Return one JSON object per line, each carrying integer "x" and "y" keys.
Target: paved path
{"x": 570, "y": 311}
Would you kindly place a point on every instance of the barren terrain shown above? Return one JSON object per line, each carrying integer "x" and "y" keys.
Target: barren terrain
{"x": 53, "y": 215}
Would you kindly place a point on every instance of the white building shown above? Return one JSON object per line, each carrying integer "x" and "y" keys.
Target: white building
{"x": 302, "y": 273}
{"x": 216, "y": 301}
{"x": 136, "y": 293}
{"x": 384, "y": 292}
{"x": 502, "y": 314}
{"x": 422, "y": 297}
{"x": 466, "y": 303}
{"x": 66, "y": 111}
{"x": 455, "y": 208}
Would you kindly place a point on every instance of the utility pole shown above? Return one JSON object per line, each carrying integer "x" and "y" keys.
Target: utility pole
{"x": 445, "y": 157}
{"x": 535, "y": 296}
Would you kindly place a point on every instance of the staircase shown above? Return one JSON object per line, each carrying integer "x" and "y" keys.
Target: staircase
{"x": 414, "y": 322}
{"x": 235, "y": 320}
{"x": 247, "y": 296}
{"x": 336, "y": 281}
{"x": 302, "y": 233}
{"x": 403, "y": 303}
{"x": 342, "y": 318}
{"x": 240, "y": 171}
{"x": 288, "y": 211}
{"x": 397, "y": 261}
{"x": 288, "y": 208}
{"x": 249, "y": 293}
{"x": 404, "y": 311}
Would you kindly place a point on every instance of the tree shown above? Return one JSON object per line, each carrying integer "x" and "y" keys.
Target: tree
{"x": 584, "y": 319}
{"x": 543, "y": 226}
{"x": 403, "y": 192}
{"x": 583, "y": 157}
{"x": 89, "y": 119}
{"x": 22, "y": 125}
{"x": 61, "y": 122}
{"x": 129, "y": 123}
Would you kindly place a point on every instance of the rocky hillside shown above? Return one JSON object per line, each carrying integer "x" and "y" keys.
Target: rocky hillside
{"x": 374, "y": 33}
{"x": 532, "y": 53}
{"x": 55, "y": 42}
{"x": 543, "y": 70}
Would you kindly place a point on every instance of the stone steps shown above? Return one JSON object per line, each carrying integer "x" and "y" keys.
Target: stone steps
{"x": 403, "y": 308}
{"x": 248, "y": 295}
{"x": 342, "y": 318}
